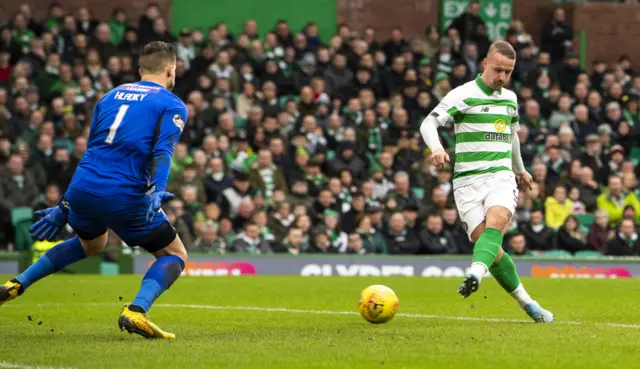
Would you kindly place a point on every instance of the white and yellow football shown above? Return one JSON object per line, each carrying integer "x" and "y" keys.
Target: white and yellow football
{"x": 378, "y": 304}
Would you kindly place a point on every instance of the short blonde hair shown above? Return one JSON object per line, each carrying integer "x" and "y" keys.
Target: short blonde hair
{"x": 502, "y": 48}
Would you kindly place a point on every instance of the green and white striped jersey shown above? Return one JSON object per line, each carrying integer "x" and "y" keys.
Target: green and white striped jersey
{"x": 484, "y": 120}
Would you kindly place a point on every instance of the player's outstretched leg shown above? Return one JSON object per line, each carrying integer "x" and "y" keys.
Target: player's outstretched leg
{"x": 60, "y": 256}
{"x": 504, "y": 271}
{"x": 162, "y": 274}
{"x": 485, "y": 252}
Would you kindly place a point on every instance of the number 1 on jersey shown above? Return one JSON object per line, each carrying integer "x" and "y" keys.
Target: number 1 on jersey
{"x": 116, "y": 123}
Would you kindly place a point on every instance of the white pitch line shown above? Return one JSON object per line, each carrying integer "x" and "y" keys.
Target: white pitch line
{"x": 418, "y": 316}
{"x": 6, "y": 365}
{"x": 335, "y": 312}
{"x": 620, "y": 325}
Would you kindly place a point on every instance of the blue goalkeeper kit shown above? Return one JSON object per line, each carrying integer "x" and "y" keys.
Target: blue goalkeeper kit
{"x": 133, "y": 133}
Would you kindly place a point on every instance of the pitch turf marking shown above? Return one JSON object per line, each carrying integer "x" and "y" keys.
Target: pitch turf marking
{"x": 418, "y": 316}
{"x": 334, "y": 312}
{"x": 6, "y": 365}
{"x": 331, "y": 312}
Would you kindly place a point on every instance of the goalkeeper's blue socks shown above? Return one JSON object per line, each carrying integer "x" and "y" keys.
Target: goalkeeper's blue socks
{"x": 61, "y": 255}
{"x": 158, "y": 279}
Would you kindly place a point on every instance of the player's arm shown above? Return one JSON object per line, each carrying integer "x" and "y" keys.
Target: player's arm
{"x": 169, "y": 132}
{"x": 517, "y": 163}
{"x": 516, "y": 156}
{"x": 440, "y": 116}
{"x": 429, "y": 131}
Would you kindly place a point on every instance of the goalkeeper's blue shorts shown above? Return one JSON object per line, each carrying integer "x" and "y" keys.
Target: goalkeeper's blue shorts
{"x": 91, "y": 215}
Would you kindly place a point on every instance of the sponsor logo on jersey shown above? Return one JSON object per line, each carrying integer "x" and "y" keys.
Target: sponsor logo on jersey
{"x": 496, "y": 137}
{"x": 500, "y": 125}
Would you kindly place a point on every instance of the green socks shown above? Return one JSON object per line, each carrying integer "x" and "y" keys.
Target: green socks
{"x": 487, "y": 247}
{"x": 504, "y": 271}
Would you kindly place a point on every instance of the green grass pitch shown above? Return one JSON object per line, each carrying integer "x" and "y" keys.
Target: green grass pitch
{"x": 70, "y": 321}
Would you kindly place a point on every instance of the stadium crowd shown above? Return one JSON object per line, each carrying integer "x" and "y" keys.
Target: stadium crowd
{"x": 294, "y": 145}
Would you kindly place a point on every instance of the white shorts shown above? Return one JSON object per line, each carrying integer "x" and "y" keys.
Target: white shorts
{"x": 474, "y": 200}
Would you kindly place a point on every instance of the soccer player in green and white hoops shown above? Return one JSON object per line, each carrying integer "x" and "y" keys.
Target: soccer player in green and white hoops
{"x": 487, "y": 164}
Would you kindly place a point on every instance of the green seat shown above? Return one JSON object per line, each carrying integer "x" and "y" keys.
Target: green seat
{"x": 589, "y": 254}
{"x": 419, "y": 192}
{"x": 586, "y": 220}
{"x": 107, "y": 268}
{"x": 330, "y": 155}
{"x": 557, "y": 254}
{"x": 240, "y": 122}
{"x": 21, "y": 219}
{"x": 21, "y": 214}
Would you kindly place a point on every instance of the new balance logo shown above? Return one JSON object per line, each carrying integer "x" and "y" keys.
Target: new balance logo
{"x": 485, "y": 109}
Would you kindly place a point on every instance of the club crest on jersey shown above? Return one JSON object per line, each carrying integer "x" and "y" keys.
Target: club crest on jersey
{"x": 178, "y": 122}
{"x": 500, "y": 125}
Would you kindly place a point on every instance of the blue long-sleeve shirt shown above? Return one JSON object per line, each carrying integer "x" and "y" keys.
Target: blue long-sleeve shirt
{"x": 133, "y": 134}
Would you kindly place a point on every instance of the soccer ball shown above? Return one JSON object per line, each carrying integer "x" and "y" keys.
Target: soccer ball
{"x": 378, "y": 304}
